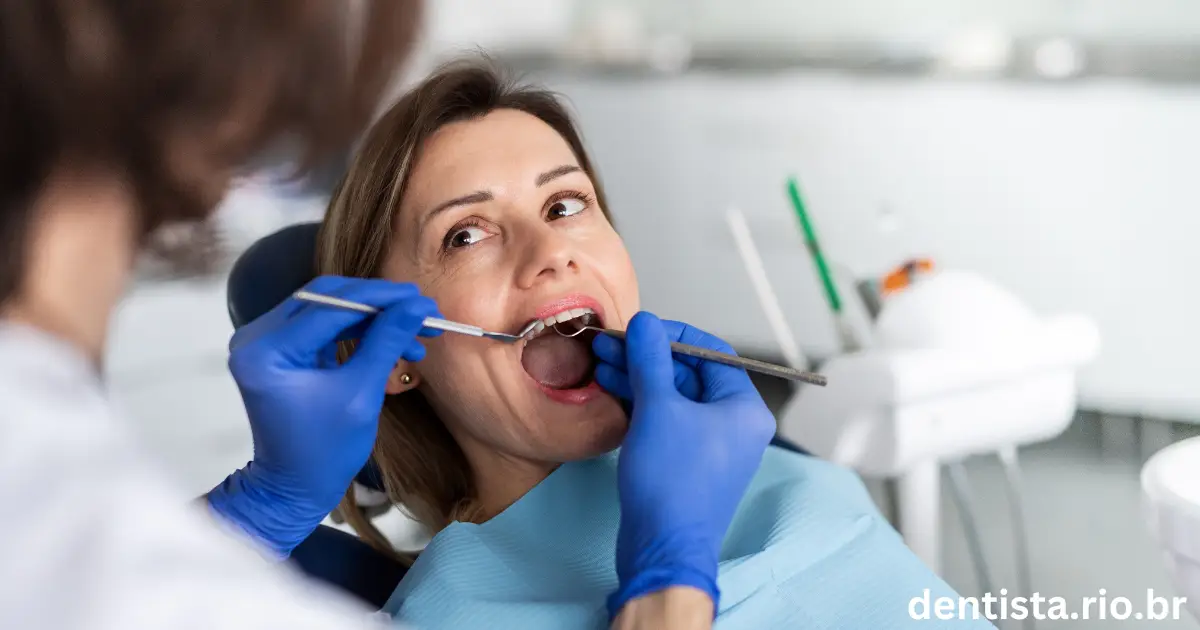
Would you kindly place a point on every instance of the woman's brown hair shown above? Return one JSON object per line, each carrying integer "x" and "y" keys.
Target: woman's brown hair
{"x": 423, "y": 468}
{"x": 174, "y": 96}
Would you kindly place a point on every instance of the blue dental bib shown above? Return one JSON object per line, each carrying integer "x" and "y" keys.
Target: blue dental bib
{"x": 807, "y": 549}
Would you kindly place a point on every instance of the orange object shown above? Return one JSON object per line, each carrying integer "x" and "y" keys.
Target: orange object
{"x": 905, "y": 275}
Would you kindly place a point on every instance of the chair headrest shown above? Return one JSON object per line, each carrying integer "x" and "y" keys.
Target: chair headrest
{"x": 270, "y": 270}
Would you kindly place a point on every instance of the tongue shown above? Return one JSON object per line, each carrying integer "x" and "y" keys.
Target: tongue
{"x": 557, "y": 362}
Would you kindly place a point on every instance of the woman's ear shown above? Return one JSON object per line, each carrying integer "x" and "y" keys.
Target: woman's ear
{"x": 402, "y": 379}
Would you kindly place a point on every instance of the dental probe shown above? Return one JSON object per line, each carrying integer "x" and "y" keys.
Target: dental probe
{"x": 762, "y": 367}
{"x": 430, "y": 322}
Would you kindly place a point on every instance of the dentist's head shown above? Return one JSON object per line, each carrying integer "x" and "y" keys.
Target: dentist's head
{"x": 482, "y": 194}
{"x": 119, "y": 117}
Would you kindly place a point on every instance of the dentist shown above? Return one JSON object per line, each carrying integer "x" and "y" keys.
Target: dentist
{"x": 119, "y": 117}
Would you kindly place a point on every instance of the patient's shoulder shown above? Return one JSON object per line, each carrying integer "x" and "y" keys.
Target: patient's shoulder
{"x": 796, "y": 497}
{"x": 811, "y": 478}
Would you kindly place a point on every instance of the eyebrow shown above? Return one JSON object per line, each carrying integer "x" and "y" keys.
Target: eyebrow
{"x": 555, "y": 173}
{"x": 465, "y": 200}
{"x": 482, "y": 195}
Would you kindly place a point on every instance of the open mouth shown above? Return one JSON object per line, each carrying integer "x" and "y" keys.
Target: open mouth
{"x": 561, "y": 363}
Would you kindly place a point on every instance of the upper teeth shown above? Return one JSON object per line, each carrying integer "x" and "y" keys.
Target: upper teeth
{"x": 564, "y": 316}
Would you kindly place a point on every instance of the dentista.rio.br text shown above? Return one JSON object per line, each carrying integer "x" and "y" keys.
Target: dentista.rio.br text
{"x": 1151, "y": 607}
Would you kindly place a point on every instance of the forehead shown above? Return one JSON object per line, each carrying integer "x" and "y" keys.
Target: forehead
{"x": 506, "y": 148}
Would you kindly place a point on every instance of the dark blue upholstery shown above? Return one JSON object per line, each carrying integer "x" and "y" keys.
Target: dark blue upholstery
{"x": 263, "y": 276}
{"x": 346, "y": 562}
{"x": 270, "y": 270}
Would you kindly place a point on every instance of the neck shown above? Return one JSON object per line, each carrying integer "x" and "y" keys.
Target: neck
{"x": 501, "y": 480}
{"x": 81, "y": 249}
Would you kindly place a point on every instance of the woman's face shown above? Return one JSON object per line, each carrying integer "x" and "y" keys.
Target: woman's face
{"x": 500, "y": 225}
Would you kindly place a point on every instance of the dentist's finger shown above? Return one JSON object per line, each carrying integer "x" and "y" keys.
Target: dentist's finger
{"x": 648, "y": 357}
{"x": 392, "y": 336}
{"x": 372, "y": 291}
{"x": 313, "y": 325}
{"x": 612, "y": 352}
{"x": 682, "y": 332}
{"x": 718, "y": 380}
{"x": 609, "y": 350}
{"x": 359, "y": 330}
{"x": 614, "y": 381}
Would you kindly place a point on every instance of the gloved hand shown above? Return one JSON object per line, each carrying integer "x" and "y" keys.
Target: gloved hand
{"x": 314, "y": 421}
{"x": 696, "y": 437}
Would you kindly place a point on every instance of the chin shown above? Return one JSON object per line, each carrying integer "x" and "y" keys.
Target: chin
{"x": 586, "y": 431}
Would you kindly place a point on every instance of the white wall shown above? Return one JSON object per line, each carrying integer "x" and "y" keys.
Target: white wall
{"x": 890, "y": 19}
{"x": 459, "y": 23}
{"x": 1078, "y": 198}
{"x": 454, "y": 24}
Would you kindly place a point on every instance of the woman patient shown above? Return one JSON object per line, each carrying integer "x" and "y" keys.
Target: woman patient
{"x": 483, "y": 195}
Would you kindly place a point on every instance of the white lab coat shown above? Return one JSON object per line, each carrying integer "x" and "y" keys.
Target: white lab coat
{"x": 91, "y": 536}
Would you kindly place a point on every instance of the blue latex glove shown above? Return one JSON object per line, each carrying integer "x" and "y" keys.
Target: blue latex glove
{"x": 696, "y": 437}
{"x": 314, "y": 421}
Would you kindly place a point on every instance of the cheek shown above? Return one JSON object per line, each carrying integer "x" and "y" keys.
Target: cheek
{"x": 468, "y": 290}
{"x": 453, "y": 359}
{"x": 458, "y": 382}
{"x": 616, "y": 268}
{"x": 467, "y": 301}
{"x": 631, "y": 295}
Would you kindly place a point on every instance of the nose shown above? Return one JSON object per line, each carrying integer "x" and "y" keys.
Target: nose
{"x": 549, "y": 255}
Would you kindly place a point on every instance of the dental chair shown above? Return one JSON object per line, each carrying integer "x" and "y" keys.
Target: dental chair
{"x": 263, "y": 276}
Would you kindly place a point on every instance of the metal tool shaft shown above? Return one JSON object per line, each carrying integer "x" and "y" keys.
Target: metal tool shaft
{"x": 761, "y": 367}
{"x": 429, "y": 322}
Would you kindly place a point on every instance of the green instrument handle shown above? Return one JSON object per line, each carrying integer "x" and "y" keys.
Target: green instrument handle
{"x": 814, "y": 248}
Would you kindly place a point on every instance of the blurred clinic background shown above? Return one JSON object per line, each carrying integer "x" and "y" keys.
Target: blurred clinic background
{"x": 977, "y": 217}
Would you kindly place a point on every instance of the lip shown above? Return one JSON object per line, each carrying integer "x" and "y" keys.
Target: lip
{"x": 580, "y": 396}
{"x": 575, "y": 300}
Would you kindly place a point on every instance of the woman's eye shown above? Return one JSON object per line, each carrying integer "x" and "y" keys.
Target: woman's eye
{"x": 566, "y": 207}
{"x": 466, "y": 236}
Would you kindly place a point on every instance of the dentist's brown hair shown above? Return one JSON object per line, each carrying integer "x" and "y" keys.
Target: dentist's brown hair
{"x": 176, "y": 96}
{"x": 422, "y": 467}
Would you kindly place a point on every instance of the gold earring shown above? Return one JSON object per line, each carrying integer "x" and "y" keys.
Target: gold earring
{"x": 406, "y": 379}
